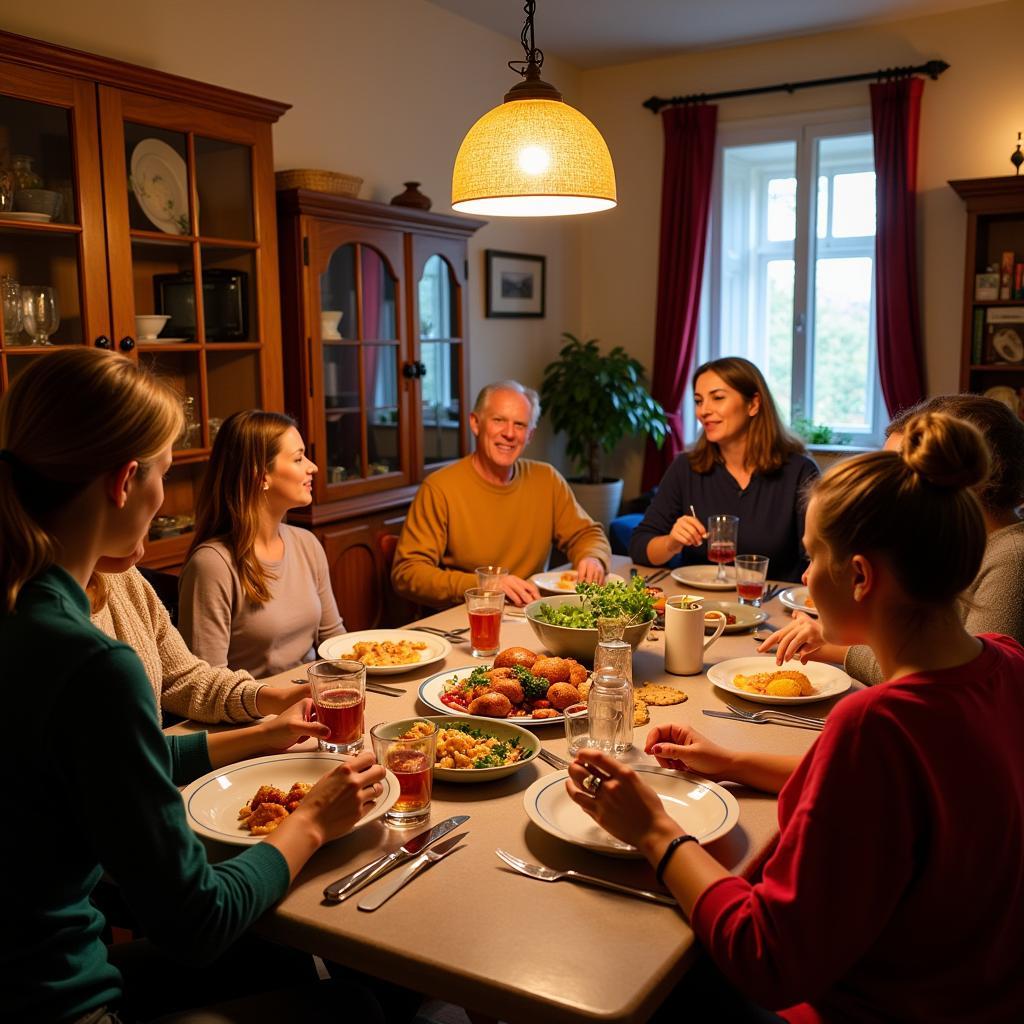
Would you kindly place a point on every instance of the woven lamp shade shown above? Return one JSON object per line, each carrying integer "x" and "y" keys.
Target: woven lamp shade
{"x": 533, "y": 158}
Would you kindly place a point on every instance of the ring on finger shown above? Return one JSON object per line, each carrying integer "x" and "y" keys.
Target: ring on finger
{"x": 592, "y": 783}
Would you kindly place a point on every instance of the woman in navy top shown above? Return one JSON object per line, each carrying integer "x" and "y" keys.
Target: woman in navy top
{"x": 746, "y": 464}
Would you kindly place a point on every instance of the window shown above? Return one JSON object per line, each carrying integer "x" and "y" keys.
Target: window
{"x": 789, "y": 280}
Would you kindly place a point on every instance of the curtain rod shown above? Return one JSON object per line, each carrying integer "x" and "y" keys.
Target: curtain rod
{"x": 933, "y": 69}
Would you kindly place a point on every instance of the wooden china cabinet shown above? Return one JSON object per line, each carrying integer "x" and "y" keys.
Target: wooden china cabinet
{"x": 992, "y": 349}
{"x": 162, "y": 182}
{"x": 375, "y": 310}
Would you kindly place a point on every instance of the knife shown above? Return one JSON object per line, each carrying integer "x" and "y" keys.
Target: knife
{"x": 345, "y": 886}
{"x": 424, "y": 860}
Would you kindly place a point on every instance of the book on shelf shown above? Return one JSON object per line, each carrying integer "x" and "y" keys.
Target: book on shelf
{"x": 978, "y": 337}
{"x": 1006, "y": 276}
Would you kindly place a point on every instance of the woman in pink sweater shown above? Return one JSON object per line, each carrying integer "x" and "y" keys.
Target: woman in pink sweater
{"x": 896, "y": 891}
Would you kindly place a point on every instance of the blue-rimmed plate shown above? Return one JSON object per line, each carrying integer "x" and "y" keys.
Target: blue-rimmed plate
{"x": 704, "y": 809}
{"x": 212, "y": 803}
{"x": 433, "y": 686}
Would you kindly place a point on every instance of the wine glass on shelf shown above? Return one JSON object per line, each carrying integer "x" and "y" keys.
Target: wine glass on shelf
{"x": 722, "y": 532}
{"x": 40, "y": 312}
{"x": 10, "y": 297}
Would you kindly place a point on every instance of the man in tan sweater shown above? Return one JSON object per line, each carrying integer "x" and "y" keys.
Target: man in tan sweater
{"x": 493, "y": 508}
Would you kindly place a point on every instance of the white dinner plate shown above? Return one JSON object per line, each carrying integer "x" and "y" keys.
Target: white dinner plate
{"x": 1006, "y": 395}
{"x": 827, "y": 680}
{"x": 430, "y": 694}
{"x": 212, "y": 803}
{"x": 796, "y": 598}
{"x": 551, "y": 583}
{"x": 26, "y": 215}
{"x": 703, "y": 577}
{"x": 703, "y": 808}
{"x": 437, "y": 648}
{"x": 1008, "y": 344}
{"x": 746, "y": 615}
{"x": 159, "y": 180}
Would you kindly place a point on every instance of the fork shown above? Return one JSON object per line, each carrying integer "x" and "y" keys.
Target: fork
{"x": 553, "y": 759}
{"x": 454, "y": 636}
{"x": 771, "y": 593}
{"x": 656, "y": 577}
{"x": 550, "y": 875}
{"x": 766, "y": 715}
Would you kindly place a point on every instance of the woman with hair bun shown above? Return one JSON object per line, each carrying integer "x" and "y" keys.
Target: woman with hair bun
{"x": 255, "y": 592}
{"x": 85, "y": 439}
{"x": 745, "y": 463}
{"x": 896, "y": 889}
{"x": 993, "y": 602}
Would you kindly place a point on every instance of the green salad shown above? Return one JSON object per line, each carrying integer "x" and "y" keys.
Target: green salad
{"x": 602, "y": 600}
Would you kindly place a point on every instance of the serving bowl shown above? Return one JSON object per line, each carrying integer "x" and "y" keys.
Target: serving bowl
{"x": 149, "y": 325}
{"x": 499, "y": 727}
{"x": 573, "y": 641}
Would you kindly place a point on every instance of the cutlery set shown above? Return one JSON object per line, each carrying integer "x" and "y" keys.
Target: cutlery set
{"x": 768, "y": 716}
{"x": 454, "y": 636}
{"x": 656, "y": 577}
{"x": 373, "y": 687}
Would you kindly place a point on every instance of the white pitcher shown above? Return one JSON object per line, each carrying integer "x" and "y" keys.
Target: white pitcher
{"x": 684, "y": 634}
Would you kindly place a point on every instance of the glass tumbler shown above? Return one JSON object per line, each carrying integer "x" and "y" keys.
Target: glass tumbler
{"x": 10, "y": 296}
{"x": 408, "y": 750}
{"x": 484, "y": 608}
{"x": 339, "y": 695}
{"x": 751, "y": 577}
{"x": 490, "y": 577}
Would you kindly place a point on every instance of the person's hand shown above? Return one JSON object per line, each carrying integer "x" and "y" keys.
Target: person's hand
{"x": 800, "y": 638}
{"x": 625, "y": 806}
{"x": 291, "y": 726}
{"x": 342, "y": 797}
{"x": 519, "y": 591}
{"x": 686, "y": 750}
{"x": 688, "y": 532}
{"x": 272, "y": 700}
{"x": 589, "y": 570}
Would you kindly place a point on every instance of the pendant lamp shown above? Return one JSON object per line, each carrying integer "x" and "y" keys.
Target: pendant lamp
{"x": 534, "y": 155}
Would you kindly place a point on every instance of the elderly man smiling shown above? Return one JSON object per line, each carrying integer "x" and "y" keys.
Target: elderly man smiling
{"x": 493, "y": 508}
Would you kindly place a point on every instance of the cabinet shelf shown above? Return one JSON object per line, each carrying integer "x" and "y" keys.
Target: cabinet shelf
{"x": 996, "y": 367}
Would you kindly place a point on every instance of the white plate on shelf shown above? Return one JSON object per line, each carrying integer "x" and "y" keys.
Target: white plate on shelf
{"x": 435, "y": 648}
{"x": 25, "y": 215}
{"x": 431, "y": 689}
{"x": 552, "y": 582}
{"x": 796, "y": 599}
{"x": 161, "y": 341}
{"x": 212, "y": 802}
{"x": 1007, "y": 396}
{"x": 1009, "y": 345}
{"x": 747, "y": 617}
{"x": 159, "y": 180}
{"x": 703, "y": 577}
{"x": 703, "y": 808}
{"x": 827, "y": 680}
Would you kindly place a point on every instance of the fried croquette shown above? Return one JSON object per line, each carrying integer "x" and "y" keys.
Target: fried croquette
{"x": 491, "y": 705}
{"x": 513, "y": 656}
{"x": 268, "y": 795}
{"x": 561, "y": 695}
{"x": 554, "y": 670}
{"x": 510, "y": 688}
{"x": 265, "y": 818}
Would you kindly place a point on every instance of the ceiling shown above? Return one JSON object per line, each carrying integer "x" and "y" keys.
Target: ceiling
{"x": 600, "y": 33}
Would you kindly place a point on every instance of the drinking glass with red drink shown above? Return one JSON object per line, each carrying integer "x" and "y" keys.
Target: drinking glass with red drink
{"x": 407, "y": 749}
{"x": 484, "y": 608}
{"x": 751, "y": 576}
{"x": 722, "y": 531}
{"x": 338, "y": 689}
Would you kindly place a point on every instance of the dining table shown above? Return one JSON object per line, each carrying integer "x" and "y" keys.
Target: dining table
{"x": 472, "y": 931}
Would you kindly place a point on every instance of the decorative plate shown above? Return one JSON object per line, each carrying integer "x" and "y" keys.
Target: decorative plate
{"x": 159, "y": 180}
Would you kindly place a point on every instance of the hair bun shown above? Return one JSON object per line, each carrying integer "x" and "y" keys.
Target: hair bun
{"x": 945, "y": 452}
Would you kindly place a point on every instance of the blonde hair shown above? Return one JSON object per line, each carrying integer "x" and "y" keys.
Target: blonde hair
{"x": 769, "y": 443}
{"x": 228, "y": 508}
{"x": 915, "y": 507}
{"x": 72, "y": 416}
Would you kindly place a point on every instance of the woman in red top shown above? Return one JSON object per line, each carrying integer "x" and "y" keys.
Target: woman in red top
{"x": 896, "y": 891}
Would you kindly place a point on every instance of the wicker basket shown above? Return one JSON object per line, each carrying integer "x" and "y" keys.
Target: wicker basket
{"x": 319, "y": 181}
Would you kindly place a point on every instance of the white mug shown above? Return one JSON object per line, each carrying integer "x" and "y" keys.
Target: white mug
{"x": 684, "y": 635}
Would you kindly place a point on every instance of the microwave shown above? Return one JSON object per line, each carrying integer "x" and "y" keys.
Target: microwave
{"x": 225, "y": 304}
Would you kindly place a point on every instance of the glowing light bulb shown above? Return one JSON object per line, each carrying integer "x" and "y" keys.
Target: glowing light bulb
{"x": 534, "y": 159}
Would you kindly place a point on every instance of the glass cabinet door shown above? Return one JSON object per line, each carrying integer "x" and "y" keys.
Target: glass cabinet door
{"x": 53, "y": 288}
{"x": 358, "y": 336}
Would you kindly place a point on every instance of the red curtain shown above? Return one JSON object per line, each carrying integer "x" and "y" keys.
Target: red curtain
{"x": 685, "y": 203}
{"x": 895, "y": 116}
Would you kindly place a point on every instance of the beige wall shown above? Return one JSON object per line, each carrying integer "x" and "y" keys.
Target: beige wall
{"x": 970, "y": 117}
{"x": 385, "y": 89}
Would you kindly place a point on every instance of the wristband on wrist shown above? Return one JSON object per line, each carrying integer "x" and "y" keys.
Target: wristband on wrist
{"x": 659, "y": 872}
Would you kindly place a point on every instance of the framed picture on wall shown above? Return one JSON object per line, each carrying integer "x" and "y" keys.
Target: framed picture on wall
{"x": 515, "y": 284}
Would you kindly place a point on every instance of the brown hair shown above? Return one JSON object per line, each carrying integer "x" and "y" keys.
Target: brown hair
{"x": 769, "y": 443}
{"x": 915, "y": 507}
{"x": 229, "y": 499}
{"x": 72, "y": 416}
{"x": 1003, "y": 490}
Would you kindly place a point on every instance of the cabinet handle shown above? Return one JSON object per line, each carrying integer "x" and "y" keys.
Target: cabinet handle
{"x": 421, "y": 370}
{"x": 126, "y": 344}
{"x": 409, "y": 371}
{"x": 103, "y": 342}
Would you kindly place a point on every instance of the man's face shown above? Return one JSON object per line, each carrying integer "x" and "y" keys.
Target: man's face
{"x": 502, "y": 429}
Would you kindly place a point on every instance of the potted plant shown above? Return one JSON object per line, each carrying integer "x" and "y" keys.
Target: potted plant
{"x": 596, "y": 400}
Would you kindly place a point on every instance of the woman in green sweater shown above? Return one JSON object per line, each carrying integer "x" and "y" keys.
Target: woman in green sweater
{"x": 85, "y": 438}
